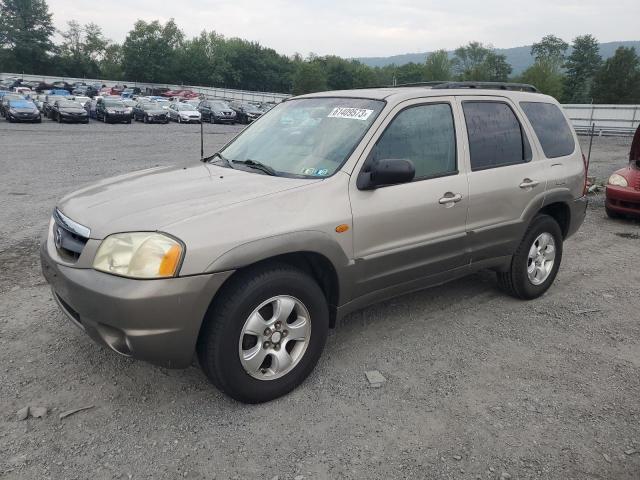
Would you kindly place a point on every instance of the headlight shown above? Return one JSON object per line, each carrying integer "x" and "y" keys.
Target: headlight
{"x": 12, "y": 110}
{"x": 139, "y": 255}
{"x": 618, "y": 180}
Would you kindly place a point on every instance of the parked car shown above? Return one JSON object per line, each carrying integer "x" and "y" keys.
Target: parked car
{"x": 111, "y": 110}
{"x": 216, "y": 111}
{"x": 131, "y": 92}
{"x": 183, "y": 113}
{"x": 59, "y": 92}
{"x": 623, "y": 186}
{"x": 180, "y": 94}
{"x": 245, "y": 112}
{"x": 150, "y": 112}
{"x": 84, "y": 101}
{"x": 39, "y": 101}
{"x": 23, "y": 111}
{"x": 292, "y": 226}
{"x": 5, "y": 99}
{"x": 65, "y": 110}
{"x": 62, "y": 85}
{"x": 49, "y": 100}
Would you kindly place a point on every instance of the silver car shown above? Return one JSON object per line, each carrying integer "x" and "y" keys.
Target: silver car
{"x": 328, "y": 203}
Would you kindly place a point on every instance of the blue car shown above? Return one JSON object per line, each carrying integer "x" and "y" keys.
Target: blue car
{"x": 58, "y": 91}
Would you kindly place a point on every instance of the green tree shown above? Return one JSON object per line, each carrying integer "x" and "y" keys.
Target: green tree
{"x": 618, "y": 80}
{"x": 111, "y": 62}
{"x": 25, "y": 35}
{"x": 477, "y": 62}
{"x": 150, "y": 52}
{"x": 551, "y": 50}
{"x": 309, "y": 77}
{"x": 581, "y": 67}
{"x": 81, "y": 50}
{"x": 544, "y": 76}
{"x": 437, "y": 66}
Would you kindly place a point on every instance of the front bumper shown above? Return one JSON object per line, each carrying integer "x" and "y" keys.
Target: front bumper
{"x": 625, "y": 200}
{"x": 31, "y": 117}
{"x": 153, "y": 320}
{"x": 157, "y": 119}
{"x": 224, "y": 118}
{"x": 75, "y": 118}
{"x": 118, "y": 117}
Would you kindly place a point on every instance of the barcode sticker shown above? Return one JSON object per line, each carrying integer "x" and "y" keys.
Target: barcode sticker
{"x": 352, "y": 113}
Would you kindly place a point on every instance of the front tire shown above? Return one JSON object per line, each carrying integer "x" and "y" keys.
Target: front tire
{"x": 264, "y": 333}
{"x": 535, "y": 264}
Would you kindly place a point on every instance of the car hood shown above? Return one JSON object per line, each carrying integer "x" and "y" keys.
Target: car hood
{"x": 156, "y": 198}
{"x": 26, "y": 109}
{"x": 156, "y": 111}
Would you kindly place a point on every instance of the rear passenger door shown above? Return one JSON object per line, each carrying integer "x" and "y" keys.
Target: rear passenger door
{"x": 506, "y": 177}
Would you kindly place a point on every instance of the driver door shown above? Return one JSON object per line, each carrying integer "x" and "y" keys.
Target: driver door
{"x": 406, "y": 233}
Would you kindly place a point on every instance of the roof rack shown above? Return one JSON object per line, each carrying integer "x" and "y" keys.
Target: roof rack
{"x": 519, "y": 87}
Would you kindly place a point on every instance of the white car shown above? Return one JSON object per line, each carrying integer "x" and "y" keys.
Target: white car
{"x": 184, "y": 113}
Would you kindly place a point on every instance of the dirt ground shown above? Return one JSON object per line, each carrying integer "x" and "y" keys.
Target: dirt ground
{"x": 478, "y": 385}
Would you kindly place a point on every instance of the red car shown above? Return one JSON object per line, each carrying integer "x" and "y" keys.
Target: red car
{"x": 623, "y": 187}
{"x": 183, "y": 94}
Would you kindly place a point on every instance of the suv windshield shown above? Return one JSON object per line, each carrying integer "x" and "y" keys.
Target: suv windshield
{"x": 113, "y": 104}
{"x": 308, "y": 137}
{"x": 219, "y": 105}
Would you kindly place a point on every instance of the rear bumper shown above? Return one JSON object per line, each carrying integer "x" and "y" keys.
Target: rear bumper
{"x": 153, "y": 320}
{"x": 578, "y": 213}
{"x": 625, "y": 200}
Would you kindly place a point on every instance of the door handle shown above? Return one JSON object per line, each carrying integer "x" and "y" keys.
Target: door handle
{"x": 528, "y": 183}
{"x": 449, "y": 199}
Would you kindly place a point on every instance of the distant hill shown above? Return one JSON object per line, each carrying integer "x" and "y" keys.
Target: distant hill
{"x": 519, "y": 57}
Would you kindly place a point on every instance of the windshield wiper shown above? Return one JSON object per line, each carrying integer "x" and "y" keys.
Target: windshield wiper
{"x": 220, "y": 156}
{"x": 257, "y": 165}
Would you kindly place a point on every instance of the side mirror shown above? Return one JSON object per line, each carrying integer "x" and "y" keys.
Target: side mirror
{"x": 386, "y": 172}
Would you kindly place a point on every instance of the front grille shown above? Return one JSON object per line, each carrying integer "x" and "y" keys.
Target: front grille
{"x": 69, "y": 237}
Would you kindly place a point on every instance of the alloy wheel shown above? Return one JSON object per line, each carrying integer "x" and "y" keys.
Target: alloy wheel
{"x": 541, "y": 258}
{"x": 275, "y": 337}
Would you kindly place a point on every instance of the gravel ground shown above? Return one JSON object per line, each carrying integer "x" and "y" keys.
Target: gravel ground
{"x": 478, "y": 385}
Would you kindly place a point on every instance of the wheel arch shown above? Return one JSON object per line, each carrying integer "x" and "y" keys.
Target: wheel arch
{"x": 310, "y": 251}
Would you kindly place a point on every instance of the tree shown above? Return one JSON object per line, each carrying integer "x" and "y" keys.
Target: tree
{"x": 581, "y": 66}
{"x": 618, "y": 80}
{"x": 150, "y": 52}
{"x": 476, "y": 62}
{"x": 111, "y": 62}
{"x": 543, "y": 75}
{"x": 25, "y": 34}
{"x": 81, "y": 50}
{"x": 551, "y": 50}
{"x": 437, "y": 66}
{"x": 309, "y": 77}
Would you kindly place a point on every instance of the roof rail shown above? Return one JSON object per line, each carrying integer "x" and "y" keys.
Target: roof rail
{"x": 521, "y": 87}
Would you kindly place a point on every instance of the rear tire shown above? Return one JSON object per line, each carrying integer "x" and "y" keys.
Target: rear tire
{"x": 223, "y": 338}
{"x": 517, "y": 282}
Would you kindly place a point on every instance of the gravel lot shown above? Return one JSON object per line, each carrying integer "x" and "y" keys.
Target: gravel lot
{"x": 478, "y": 385}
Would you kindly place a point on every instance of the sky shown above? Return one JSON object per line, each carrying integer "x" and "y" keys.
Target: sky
{"x": 364, "y": 28}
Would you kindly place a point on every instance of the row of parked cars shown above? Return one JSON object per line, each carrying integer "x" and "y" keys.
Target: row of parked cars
{"x": 59, "y": 105}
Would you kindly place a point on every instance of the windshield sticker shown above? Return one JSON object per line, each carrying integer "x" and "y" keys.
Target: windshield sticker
{"x": 322, "y": 172}
{"x": 352, "y": 113}
{"x": 309, "y": 171}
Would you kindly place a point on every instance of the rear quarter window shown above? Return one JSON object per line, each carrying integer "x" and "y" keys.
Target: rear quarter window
{"x": 551, "y": 128}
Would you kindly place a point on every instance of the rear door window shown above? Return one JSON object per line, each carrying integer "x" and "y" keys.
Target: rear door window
{"x": 551, "y": 128}
{"x": 496, "y": 138}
